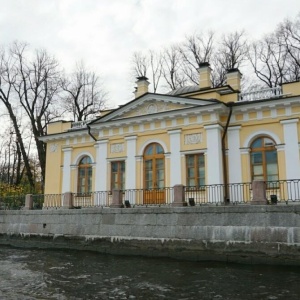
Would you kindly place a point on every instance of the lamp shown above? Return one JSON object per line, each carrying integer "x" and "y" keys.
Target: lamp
{"x": 127, "y": 204}
{"x": 191, "y": 201}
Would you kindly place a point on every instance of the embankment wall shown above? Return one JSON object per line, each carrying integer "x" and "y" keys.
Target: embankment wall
{"x": 247, "y": 234}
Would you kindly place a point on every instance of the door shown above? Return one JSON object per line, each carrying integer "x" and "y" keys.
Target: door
{"x": 154, "y": 174}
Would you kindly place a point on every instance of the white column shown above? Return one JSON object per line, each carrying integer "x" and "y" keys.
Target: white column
{"x": 66, "y": 180}
{"x": 292, "y": 161}
{"x": 214, "y": 169}
{"x": 101, "y": 166}
{"x": 175, "y": 157}
{"x": 234, "y": 155}
{"x": 130, "y": 180}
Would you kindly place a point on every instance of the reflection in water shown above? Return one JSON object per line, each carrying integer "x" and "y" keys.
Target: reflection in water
{"x": 40, "y": 274}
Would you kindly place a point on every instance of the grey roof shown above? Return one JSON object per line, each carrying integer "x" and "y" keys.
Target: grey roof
{"x": 184, "y": 90}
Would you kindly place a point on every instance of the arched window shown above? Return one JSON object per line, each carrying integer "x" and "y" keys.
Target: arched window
{"x": 154, "y": 166}
{"x": 154, "y": 174}
{"x": 85, "y": 172}
{"x": 264, "y": 164}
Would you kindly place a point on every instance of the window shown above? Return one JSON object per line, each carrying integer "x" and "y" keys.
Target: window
{"x": 154, "y": 167}
{"x": 264, "y": 159}
{"x": 195, "y": 170}
{"x": 118, "y": 175}
{"x": 85, "y": 173}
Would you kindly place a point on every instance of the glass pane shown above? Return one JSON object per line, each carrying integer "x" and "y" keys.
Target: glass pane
{"x": 159, "y": 163}
{"x": 272, "y": 169}
{"x": 149, "y": 175}
{"x": 256, "y": 157}
{"x": 258, "y": 177}
{"x": 85, "y": 160}
{"x": 268, "y": 142}
{"x": 201, "y": 160}
{"x": 201, "y": 172}
{"x": 191, "y": 182}
{"x": 149, "y": 150}
{"x": 114, "y": 167}
{"x": 160, "y": 175}
{"x": 272, "y": 177}
{"x": 257, "y": 170}
{"x": 148, "y": 164}
{"x": 160, "y": 184}
{"x": 159, "y": 149}
{"x": 201, "y": 182}
{"x": 191, "y": 172}
{"x": 257, "y": 143}
{"x": 271, "y": 157}
{"x": 123, "y": 166}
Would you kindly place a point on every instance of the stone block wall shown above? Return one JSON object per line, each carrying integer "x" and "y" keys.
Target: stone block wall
{"x": 250, "y": 234}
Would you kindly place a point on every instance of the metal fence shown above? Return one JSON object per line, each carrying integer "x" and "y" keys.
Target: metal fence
{"x": 235, "y": 193}
{"x": 281, "y": 191}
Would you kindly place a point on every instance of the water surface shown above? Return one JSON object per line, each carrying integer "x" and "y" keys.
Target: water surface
{"x": 44, "y": 274}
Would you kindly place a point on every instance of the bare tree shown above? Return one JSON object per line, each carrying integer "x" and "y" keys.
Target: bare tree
{"x": 172, "y": 68}
{"x": 84, "y": 94}
{"x": 195, "y": 50}
{"x": 36, "y": 85}
{"x": 268, "y": 58}
{"x": 289, "y": 31}
{"x": 7, "y": 80}
{"x": 140, "y": 64}
{"x": 231, "y": 53}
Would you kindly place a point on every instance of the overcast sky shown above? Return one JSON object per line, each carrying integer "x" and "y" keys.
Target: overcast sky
{"x": 105, "y": 33}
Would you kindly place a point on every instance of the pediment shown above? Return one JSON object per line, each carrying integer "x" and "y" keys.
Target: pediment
{"x": 152, "y": 107}
{"x": 152, "y": 104}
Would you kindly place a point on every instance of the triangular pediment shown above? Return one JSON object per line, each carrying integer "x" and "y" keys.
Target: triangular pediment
{"x": 149, "y": 104}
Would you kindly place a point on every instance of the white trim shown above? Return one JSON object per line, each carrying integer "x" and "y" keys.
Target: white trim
{"x": 122, "y": 158}
{"x": 101, "y": 165}
{"x": 234, "y": 155}
{"x": 214, "y": 154}
{"x": 188, "y": 152}
{"x": 66, "y": 176}
{"x": 80, "y": 155}
{"x": 175, "y": 164}
{"x": 292, "y": 159}
{"x": 258, "y": 133}
{"x": 130, "y": 163}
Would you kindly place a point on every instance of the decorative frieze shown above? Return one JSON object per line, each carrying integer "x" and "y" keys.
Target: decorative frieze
{"x": 53, "y": 147}
{"x": 191, "y": 139}
{"x": 116, "y": 148}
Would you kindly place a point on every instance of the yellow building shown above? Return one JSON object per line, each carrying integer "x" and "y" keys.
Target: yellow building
{"x": 196, "y": 136}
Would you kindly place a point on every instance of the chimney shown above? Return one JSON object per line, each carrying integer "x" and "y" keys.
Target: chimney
{"x": 233, "y": 78}
{"x": 142, "y": 86}
{"x": 204, "y": 75}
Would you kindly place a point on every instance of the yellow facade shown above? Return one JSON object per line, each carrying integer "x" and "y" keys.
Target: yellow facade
{"x": 197, "y": 122}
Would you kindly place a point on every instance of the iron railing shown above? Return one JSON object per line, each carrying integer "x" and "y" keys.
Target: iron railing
{"x": 268, "y": 93}
{"x": 235, "y": 193}
{"x": 280, "y": 191}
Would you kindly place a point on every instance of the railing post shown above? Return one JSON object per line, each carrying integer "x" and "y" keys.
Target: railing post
{"x": 67, "y": 200}
{"x": 259, "y": 193}
{"x": 116, "y": 199}
{"x": 28, "y": 202}
{"x": 179, "y": 195}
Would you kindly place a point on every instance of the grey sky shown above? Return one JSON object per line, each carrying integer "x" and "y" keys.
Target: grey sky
{"x": 105, "y": 33}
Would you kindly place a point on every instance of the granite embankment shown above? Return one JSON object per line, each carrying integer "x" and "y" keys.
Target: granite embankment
{"x": 247, "y": 234}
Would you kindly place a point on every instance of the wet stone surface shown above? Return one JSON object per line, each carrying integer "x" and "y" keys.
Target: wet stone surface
{"x": 39, "y": 274}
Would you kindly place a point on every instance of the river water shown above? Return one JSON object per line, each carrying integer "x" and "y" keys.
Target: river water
{"x": 44, "y": 274}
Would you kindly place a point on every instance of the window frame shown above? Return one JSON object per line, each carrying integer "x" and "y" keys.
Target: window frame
{"x": 121, "y": 175}
{"x": 87, "y": 175}
{"x": 197, "y": 166}
{"x": 263, "y": 150}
